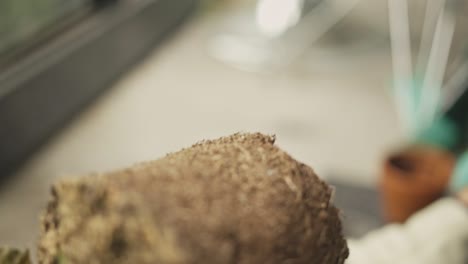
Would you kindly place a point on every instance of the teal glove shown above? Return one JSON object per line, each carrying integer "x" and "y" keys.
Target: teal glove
{"x": 443, "y": 133}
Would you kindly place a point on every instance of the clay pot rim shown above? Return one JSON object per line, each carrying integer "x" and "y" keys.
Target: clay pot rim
{"x": 395, "y": 183}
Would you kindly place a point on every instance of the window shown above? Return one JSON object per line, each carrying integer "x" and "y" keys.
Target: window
{"x": 24, "y": 22}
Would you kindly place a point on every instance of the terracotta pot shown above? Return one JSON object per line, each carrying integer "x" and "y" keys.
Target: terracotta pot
{"x": 412, "y": 179}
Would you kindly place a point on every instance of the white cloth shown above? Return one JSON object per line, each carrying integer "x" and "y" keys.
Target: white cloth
{"x": 436, "y": 235}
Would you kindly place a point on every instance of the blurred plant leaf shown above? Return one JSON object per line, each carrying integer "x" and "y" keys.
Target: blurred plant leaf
{"x": 14, "y": 256}
{"x": 60, "y": 259}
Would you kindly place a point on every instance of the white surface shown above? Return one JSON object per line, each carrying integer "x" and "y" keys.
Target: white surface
{"x": 338, "y": 121}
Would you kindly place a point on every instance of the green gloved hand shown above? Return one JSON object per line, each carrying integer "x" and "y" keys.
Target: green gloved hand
{"x": 443, "y": 133}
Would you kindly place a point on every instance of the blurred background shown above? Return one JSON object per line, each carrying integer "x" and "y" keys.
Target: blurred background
{"x": 92, "y": 86}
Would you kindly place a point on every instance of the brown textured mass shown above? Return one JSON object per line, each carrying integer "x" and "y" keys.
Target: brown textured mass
{"x": 237, "y": 199}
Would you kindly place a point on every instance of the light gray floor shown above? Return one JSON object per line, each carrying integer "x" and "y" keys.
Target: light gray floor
{"x": 332, "y": 112}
